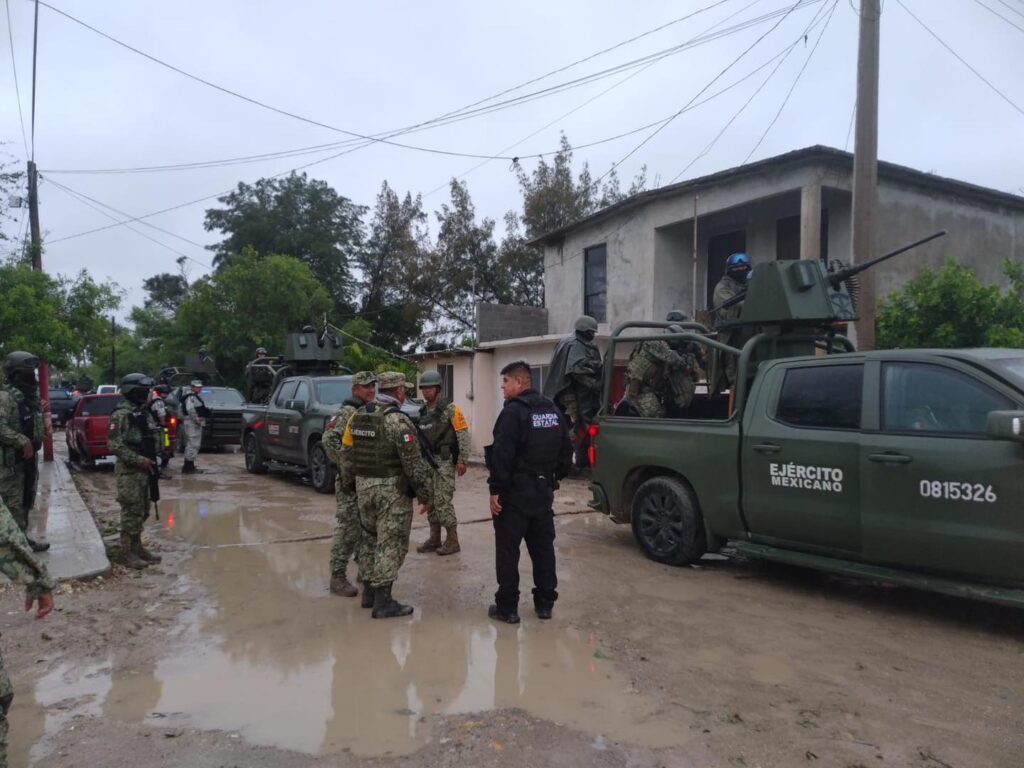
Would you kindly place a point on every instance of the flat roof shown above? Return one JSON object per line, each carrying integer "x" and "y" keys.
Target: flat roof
{"x": 798, "y": 157}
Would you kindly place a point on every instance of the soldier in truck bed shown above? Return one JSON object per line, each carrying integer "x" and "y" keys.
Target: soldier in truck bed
{"x": 660, "y": 376}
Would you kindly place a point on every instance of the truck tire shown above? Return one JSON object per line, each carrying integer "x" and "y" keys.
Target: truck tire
{"x": 321, "y": 471}
{"x": 667, "y": 523}
{"x": 254, "y": 462}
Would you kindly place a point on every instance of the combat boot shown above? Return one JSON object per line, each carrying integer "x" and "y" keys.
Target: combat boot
{"x": 368, "y": 596}
{"x": 340, "y": 585}
{"x": 38, "y": 546}
{"x": 385, "y": 606}
{"x": 432, "y": 543}
{"x": 509, "y": 617}
{"x": 144, "y": 553}
{"x": 451, "y": 542}
{"x": 128, "y": 556}
{"x": 188, "y": 468}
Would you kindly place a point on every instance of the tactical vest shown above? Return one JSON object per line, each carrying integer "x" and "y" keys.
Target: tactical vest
{"x": 541, "y": 441}
{"x": 641, "y": 369}
{"x": 439, "y": 431}
{"x": 201, "y": 410}
{"x": 373, "y": 455}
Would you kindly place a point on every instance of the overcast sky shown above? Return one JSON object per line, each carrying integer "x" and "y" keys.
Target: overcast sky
{"x": 374, "y": 67}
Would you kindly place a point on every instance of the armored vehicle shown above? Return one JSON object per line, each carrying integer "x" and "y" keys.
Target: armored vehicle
{"x": 901, "y": 465}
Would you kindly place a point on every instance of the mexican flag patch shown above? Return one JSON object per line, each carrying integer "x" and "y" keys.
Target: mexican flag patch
{"x": 407, "y": 437}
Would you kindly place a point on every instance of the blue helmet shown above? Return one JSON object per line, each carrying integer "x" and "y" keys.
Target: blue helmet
{"x": 738, "y": 262}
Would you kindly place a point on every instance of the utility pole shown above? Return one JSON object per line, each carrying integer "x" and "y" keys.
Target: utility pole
{"x": 37, "y": 264}
{"x": 113, "y": 351}
{"x": 865, "y": 166}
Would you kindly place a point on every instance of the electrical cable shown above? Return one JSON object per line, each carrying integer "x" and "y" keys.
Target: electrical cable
{"x": 994, "y": 12}
{"x": 849, "y": 131}
{"x": 453, "y": 117}
{"x": 796, "y": 80}
{"x": 139, "y": 232}
{"x": 592, "y": 99}
{"x": 711, "y": 144}
{"x": 1007, "y": 5}
{"x": 35, "y": 50}
{"x": 960, "y": 58}
{"x": 14, "y": 66}
{"x": 668, "y": 122}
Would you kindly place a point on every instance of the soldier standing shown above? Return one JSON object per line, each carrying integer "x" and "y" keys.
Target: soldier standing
{"x": 574, "y": 381}
{"x": 158, "y": 409}
{"x": 259, "y": 378}
{"x": 194, "y": 412}
{"x": 21, "y": 437}
{"x": 346, "y": 528}
{"x": 530, "y": 454}
{"x": 130, "y": 435}
{"x": 447, "y": 433}
{"x": 19, "y": 565}
{"x": 737, "y": 267}
{"x": 381, "y": 455}
{"x": 657, "y": 375}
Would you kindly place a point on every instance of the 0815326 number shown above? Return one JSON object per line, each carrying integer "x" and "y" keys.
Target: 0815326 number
{"x": 954, "y": 491}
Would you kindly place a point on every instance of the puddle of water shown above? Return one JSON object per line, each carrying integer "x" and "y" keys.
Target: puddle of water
{"x": 268, "y": 653}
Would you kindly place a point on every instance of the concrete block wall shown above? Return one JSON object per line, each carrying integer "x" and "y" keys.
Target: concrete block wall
{"x": 497, "y": 322}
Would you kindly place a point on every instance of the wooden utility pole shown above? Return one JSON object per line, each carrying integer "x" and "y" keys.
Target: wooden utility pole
{"x": 37, "y": 264}
{"x": 865, "y": 166}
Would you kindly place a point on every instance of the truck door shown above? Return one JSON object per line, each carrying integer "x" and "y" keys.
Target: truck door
{"x": 291, "y": 422}
{"x": 938, "y": 494}
{"x": 276, "y": 430}
{"x": 800, "y": 457}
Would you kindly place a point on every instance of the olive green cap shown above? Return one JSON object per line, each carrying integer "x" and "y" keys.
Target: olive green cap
{"x": 391, "y": 380}
{"x": 364, "y": 378}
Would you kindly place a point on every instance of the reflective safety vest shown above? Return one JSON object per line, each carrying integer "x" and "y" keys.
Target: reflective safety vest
{"x": 373, "y": 455}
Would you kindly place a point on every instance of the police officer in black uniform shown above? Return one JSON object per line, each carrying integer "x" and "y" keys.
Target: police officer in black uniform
{"x": 531, "y": 452}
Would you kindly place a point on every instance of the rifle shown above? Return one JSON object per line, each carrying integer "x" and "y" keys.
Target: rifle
{"x": 147, "y": 448}
{"x": 836, "y": 279}
{"x": 31, "y": 482}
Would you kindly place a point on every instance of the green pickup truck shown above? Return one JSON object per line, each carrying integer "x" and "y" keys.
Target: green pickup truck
{"x": 905, "y": 466}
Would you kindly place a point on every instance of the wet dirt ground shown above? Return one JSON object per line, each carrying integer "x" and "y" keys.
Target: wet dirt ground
{"x": 232, "y": 652}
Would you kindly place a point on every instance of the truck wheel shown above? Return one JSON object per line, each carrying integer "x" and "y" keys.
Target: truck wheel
{"x": 254, "y": 462}
{"x": 321, "y": 472}
{"x": 72, "y": 454}
{"x": 667, "y": 522}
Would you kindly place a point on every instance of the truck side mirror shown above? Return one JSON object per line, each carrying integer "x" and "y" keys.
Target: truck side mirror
{"x": 295, "y": 405}
{"x": 1005, "y": 425}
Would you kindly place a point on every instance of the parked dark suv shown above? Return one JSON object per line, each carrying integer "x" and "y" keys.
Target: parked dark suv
{"x": 62, "y": 406}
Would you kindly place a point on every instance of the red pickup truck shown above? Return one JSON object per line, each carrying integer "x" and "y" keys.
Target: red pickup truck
{"x": 86, "y": 432}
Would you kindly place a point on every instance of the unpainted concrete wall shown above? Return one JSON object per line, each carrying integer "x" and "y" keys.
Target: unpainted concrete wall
{"x": 496, "y": 322}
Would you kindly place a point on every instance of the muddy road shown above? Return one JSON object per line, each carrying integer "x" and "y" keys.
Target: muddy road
{"x": 233, "y": 653}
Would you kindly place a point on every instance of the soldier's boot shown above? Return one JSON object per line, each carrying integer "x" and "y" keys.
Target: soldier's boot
{"x": 385, "y": 606}
{"x": 432, "y": 543}
{"x": 38, "y": 546}
{"x": 129, "y": 558}
{"x": 188, "y": 468}
{"x": 451, "y": 542}
{"x": 144, "y": 553}
{"x": 340, "y": 585}
{"x": 368, "y": 596}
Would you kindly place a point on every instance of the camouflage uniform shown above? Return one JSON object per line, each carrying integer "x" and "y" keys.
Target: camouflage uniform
{"x": 22, "y": 567}
{"x": 385, "y": 502}
{"x": 124, "y": 436}
{"x": 444, "y": 424}
{"x": 192, "y": 426}
{"x": 727, "y": 288}
{"x": 656, "y": 374}
{"x": 12, "y": 440}
{"x": 346, "y": 517}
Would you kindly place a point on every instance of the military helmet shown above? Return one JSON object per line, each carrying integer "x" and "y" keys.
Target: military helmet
{"x": 431, "y": 379}
{"x": 737, "y": 262}
{"x": 676, "y": 316}
{"x": 585, "y": 323}
{"x": 676, "y": 329}
{"x": 136, "y": 386}
{"x": 163, "y": 389}
{"x": 20, "y": 367}
{"x": 261, "y": 351}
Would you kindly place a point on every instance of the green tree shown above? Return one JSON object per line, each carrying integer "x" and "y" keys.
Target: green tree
{"x": 86, "y": 307}
{"x": 166, "y": 291}
{"x": 951, "y": 307}
{"x": 395, "y": 245}
{"x": 30, "y": 315}
{"x": 295, "y": 216}
{"x": 12, "y": 184}
{"x": 251, "y": 300}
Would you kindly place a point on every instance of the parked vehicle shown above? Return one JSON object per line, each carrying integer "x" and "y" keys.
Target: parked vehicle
{"x": 62, "y": 406}
{"x": 86, "y": 433}
{"x": 901, "y": 465}
{"x": 285, "y": 434}
{"x": 107, "y": 389}
{"x": 223, "y": 425}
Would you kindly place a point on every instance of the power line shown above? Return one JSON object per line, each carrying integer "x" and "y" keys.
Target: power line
{"x": 796, "y": 80}
{"x": 122, "y": 213}
{"x": 961, "y": 59}
{"x": 849, "y": 131}
{"x": 452, "y": 117}
{"x": 14, "y": 66}
{"x": 729, "y": 66}
{"x": 1015, "y": 10}
{"x": 803, "y": 36}
{"x": 994, "y": 12}
{"x": 83, "y": 201}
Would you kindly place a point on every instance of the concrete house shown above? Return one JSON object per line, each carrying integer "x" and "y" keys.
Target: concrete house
{"x": 639, "y": 258}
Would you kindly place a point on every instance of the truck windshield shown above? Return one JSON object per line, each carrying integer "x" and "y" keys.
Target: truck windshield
{"x": 333, "y": 391}
{"x": 1012, "y": 368}
{"x": 222, "y": 397}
